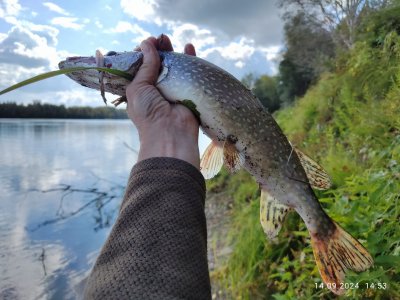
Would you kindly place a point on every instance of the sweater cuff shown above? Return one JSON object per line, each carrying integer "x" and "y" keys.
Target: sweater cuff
{"x": 167, "y": 165}
{"x": 170, "y": 163}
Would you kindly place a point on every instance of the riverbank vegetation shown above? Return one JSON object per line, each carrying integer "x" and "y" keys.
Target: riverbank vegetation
{"x": 347, "y": 119}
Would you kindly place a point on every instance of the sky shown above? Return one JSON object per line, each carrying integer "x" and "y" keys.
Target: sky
{"x": 241, "y": 37}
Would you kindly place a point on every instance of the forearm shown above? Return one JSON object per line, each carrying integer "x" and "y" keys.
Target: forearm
{"x": 158, "y": 246}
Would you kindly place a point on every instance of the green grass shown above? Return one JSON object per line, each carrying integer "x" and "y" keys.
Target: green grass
{"x": 350, "y": 123}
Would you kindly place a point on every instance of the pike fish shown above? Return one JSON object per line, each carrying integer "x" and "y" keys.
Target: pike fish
{"x": 244, "y": 135}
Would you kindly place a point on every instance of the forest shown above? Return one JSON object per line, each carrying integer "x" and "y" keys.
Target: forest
{"x": 48, "y": 111}
{"x": 337, "y": 98}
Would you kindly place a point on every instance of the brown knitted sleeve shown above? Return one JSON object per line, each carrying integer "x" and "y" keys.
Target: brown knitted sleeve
{"x": 157, "y": 248}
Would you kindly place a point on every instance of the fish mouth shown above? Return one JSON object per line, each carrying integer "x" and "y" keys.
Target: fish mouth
{"x": 61, "y": 64}
{"x": 90, "y": 77}
{"x": 77, "y": 61}
{"x": 87, "y": 78}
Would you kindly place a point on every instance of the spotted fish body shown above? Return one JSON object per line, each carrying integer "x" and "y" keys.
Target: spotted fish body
{"x": 229, "y": 112}
{"x": 244, "y": 135}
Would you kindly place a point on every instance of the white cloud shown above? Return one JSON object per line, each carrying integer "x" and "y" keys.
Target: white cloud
{"x": 67, "y": 22}
{"x": 54, "y": 7}
{"x": 139, "y": 32}
{"x": 2, "y": 36}
{"x": 98, "y": 24}
{"x": 258, "y": 20}
{"x": 239, "y": 64}
{"x": 48, "y": 32}
{"x": 190, "y": 33}
{"x": 211, "y": 45}
{"x": 241, "y": 50}
{"x": 26, "y": 48}
{"x": 108, "y": 7}
{"x": 142, "y": 10}
{"x": 9, "y": 10}
{"x": 80, "y": 97}
{"x": 57, "y": 90}
{"x": 271, "y": 53}
{"x": 115, "y": 42}
{"x": 29, "y": 51}
{"x": 122, "y": 26}
{"x": 19, "y": 73}
{"x": 225, "y": 31}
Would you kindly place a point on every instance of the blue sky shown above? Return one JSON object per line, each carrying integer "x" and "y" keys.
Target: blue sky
{"x": 35, "y": 35}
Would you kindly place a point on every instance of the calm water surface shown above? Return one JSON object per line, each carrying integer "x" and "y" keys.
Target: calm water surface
{"x": 61, "y": 183}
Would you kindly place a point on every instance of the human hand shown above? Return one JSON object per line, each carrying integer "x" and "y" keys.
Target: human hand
{"x": 165, "y": 129}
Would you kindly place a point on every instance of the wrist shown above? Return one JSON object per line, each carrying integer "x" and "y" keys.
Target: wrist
{"x": 167, "y": 143}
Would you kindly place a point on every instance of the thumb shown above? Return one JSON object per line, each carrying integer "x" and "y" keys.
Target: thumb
{"x": 148, "y": 72}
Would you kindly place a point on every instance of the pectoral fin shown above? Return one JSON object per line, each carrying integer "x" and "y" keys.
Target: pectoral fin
{"x": 212, "y": 160}
{"x": 233, "y": 159}
{"x": 316, "y": 175}
{"x": 272, "y": 214}
{"x": 218, "y": 153}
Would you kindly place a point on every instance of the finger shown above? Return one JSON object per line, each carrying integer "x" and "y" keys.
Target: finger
{"x": 164, "y": 43}
{"x": 148, "y": 72}
{"x": 151, "y": 39}
{"x": 190, "y": 50}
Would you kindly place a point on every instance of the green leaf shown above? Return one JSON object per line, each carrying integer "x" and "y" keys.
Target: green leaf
{"x": 65, "y": 71}
{"x": 388, "y": 261}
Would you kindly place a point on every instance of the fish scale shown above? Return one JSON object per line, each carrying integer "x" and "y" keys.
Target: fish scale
{"x": 244, "y": 135}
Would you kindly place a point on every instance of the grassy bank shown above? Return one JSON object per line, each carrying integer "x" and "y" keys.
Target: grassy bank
{"x": 350, "y": 123}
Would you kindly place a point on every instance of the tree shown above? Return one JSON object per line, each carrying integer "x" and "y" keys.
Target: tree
{"x": 308, "y": 45}
{"x": 292, "y": 82}
{"x": 309, "y": 49}
{"x": 340, "y": 17}
{"x": 39, "y": 110}
{"x": 265, "y": 88}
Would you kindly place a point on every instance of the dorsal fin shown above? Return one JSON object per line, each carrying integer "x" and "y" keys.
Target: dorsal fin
{"x": 212, "y": 160}
{"x": 272, "y": 214}
{"x": 233, "y": 159}
{"x": 317, "y": 176}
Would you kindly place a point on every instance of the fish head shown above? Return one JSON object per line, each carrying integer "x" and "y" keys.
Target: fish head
{"x": 128, "y": 62}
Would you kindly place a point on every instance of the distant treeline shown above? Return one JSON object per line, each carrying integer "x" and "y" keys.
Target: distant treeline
{"x": 44, "y": 110}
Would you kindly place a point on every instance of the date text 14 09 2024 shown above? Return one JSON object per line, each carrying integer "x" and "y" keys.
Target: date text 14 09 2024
{"x": 352, "y": 285}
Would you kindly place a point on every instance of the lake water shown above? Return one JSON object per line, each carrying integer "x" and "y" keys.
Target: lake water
{"x": 61, "y": 183}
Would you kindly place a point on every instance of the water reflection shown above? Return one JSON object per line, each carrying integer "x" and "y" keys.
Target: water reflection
{"x": 98, "y": 199}
{"x": 61, "y": 183}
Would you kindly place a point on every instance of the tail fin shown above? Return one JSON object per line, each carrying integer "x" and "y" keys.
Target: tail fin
{"x": 337, "y": 253}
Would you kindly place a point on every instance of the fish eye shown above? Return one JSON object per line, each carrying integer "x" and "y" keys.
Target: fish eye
{"x": 111, "y": 53}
